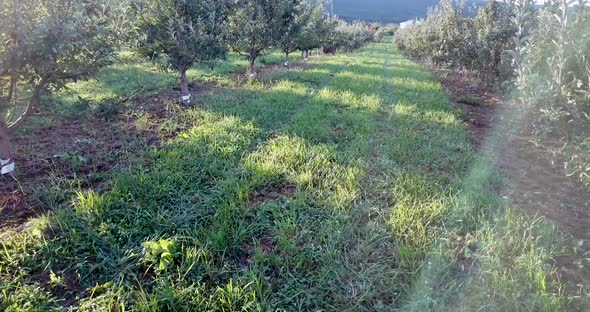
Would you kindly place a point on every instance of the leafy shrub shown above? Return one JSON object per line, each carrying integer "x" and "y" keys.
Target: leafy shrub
{"x": 162, "y": 253}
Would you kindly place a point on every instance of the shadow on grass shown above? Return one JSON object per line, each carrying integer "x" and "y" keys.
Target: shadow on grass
{"x": 296, "y": 249}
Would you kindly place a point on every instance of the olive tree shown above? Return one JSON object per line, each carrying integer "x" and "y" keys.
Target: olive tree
{"x": 184, "y": 32}
{"x": 45, "y": 44}
{"x": 258, "y": 25}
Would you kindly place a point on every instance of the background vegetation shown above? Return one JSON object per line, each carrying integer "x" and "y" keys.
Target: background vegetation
{"x": 540, "y": 55}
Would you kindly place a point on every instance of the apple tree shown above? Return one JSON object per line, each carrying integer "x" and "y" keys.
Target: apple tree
{"x": 46, "y": 44}
{"x": 183, "y": 32}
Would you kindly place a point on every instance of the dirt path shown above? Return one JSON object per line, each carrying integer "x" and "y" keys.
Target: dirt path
{"x": 534, "y": 184}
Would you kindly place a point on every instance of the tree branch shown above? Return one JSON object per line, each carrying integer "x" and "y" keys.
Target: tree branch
{"x": 31, "y": 107}
{"x": 12, "y": 88}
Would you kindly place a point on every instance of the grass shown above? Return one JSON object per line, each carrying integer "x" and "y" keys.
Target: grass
{"x": 350, "y": 185}
{"x": 469, "y": 100}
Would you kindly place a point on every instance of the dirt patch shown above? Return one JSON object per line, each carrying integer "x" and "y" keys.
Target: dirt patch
{"x": 15, "y": 209}
{"x": 164, "y": 103}
{"x": 64, "y": 285}
{"x": 480, "y": 118}
{"x": 85, "y": 151}
{"x": 535, "y": 184}
{"x": 244, "y": 256}
{"x": 270, "y": 193}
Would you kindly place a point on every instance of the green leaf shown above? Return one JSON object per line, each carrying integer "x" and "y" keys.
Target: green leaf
{"x": 168, "y": 246}
{"x": 153, "y": 248}
{"x": 165, "y": 260}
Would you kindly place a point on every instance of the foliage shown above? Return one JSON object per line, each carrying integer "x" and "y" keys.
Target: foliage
{"x": 384, "y": 30}
{"x": 162, "y": 253}
{"x": 47, "y": 44}
{"x": 443, "y": 37}
{"x": 349, "y": 37}
{"x": 317, "y": 26}
{"x": 389, "y": 29}
{"x": 494, "y": 33}
{"x": 543, "y": 52}
{"x": 553, "y": 81}
{"x": 258, "y": 25}
{"x": 449, "y": 37}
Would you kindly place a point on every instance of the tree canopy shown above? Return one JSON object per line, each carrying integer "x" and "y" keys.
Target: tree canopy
{"x": 47, "y": 44}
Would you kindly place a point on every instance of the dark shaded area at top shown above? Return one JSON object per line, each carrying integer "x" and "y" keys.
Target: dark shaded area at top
{"x": 388, "y": 11}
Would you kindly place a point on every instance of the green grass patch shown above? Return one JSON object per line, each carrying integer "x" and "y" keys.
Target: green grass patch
{"x": 469, "y": 100}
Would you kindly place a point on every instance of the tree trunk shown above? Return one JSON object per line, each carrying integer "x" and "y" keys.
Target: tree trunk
{"x": 303, "y": 54}
{"x": 5, "y": 130}
{"x": 252, "y": 61}
{"x": 4, "y": 142}
{"x": 286, "y": 59}
{"x": 252, "y": 68}
{"x": 186, "y": 94}
{"x": 32, "y": 107}
{"x": 12, "y": 87}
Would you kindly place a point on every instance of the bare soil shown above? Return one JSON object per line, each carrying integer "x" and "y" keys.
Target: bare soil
{"x": 535, "y": 185}
{"x": 270, "y": 193}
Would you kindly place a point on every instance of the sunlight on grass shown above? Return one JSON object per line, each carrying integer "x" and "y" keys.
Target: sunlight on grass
{"x": 347, "y": 184}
